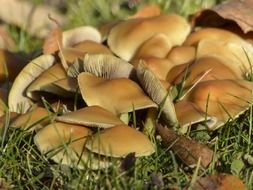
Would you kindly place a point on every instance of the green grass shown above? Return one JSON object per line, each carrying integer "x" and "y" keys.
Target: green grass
{"x": 22, "y": 166}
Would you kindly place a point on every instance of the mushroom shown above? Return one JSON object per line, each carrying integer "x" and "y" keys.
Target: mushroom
{"x": 102, "y": 65}
{"x": 92, "y": 116}
{"x": 17, "y": 101}
{"x": 3, "y": 101}
{"x": 119, "y": 141}
{"x": 68, "y": 84}
{"x": 222, "y": 99}
{"x": 158, "y": 93}
{"x": 156, "y": 46}
{"x": 182, "y": 54}
{"x": 32, "y": 120}
{"x": 92, "y": 47}
{"x": 66, "y": 143}
{"x": 44, "y": 82}
{"x": 77, "y": 35}
{"x": 109, "y": 94}
{"x": 127, "y": 36}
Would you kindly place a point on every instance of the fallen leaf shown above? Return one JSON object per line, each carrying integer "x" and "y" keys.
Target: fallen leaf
{"x": 189, "y": 151}
{"x": 228, "y": 13}
{"x": 147, "y": 11}
{"x": 52, "y": 41}
{"x": 33, "y": 19}
{"x": 219, "y": 182}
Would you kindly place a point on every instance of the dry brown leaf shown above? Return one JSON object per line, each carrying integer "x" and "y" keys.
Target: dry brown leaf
{"x": 231, "y": 12}
{"x": 219, "y": 182}
{"x": 147, "y": 11}
{"x": 189, "y": 151}
{"x": 53, "y": 41}
{"x": 33, "y": 19}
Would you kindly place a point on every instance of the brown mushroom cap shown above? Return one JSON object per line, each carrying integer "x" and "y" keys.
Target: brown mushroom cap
{"x": 92, "y": 116}
{"x": 182, "y": 54}
{"x": 68, "y": 84}
{"x": 223, "y": 99}
{"x": 157, "y": 46}
{"x": 126, "y": 37}
{"x": 188, "y": 114}
{"x": 110, "y": 95}
{"x": 17, "y": 101}
{"x": 79, "y": 34}
{"x": 236, "y": 56}
{"x": 92, "y": 47}
{"x": 158, "y": 93}
{"x": 212, "y": 34}
{"x": 32, "y": 120}
{"x": 69, "y": 54}
{"x": 68, "y": 141}
{"x": 215, "y": 67}
{"x": 44, "y": 82}
{"x": 119, "y": 141}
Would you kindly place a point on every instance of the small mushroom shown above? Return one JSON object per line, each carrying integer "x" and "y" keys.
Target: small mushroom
{"x": 44, "y": 82}
{"x": 127, "y": 36}
{"x": 92, "y": 47}
{"x": 119, "y": 141}
{"x": 17, "y": 101}
{"x": 66, "y": 143}
{"x": 102, "y": 65}
{"x": 109, "y": 94}
{"x": 32, "y": 120}
{"x": 157, "y": 46}
{"x": 222, "y": 99}
{"x": 158, "y": 93}
{"x": 92, "y": 116}
{"x": 79, "y": 34}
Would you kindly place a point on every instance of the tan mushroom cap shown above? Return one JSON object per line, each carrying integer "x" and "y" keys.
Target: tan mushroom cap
{"x": 158, "y": 93}
{"x": 223, "y": 99}
{"x": 32, "y": 120}
{"x": 235, "y": 56}
{"x": 182, "y": 54}
{"x": 212, "y": 34}
{"x": 118, "y": 96}
{"x": 188, "y": 114}
{"x": 68, "y": 142}
{"x": 157, "y": 46}
{"x": 159, "y": 66}
{"x": 126, "y": 37}
{"x": 119, "y": 141}
{"x": 69, "y": 84}
{"x": 70, "y": 54}
{"x": 44, "y": 82}
{"x": 102, "y": 65}
{"x": 17, "y": 100}
{"x": 204, "y": 69}
{"x": 105, "y": 28}
{"x": 6, "y": 119}
{"x": 92, "y": 47}
{"x": 79, "y": 34}
{"x": 92, "y": 116}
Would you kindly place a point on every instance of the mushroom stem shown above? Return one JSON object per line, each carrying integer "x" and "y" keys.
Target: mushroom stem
{"x": 124, "y": 117}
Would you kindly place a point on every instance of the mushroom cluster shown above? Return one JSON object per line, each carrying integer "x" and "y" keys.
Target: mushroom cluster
{"x": 82, "y": 100}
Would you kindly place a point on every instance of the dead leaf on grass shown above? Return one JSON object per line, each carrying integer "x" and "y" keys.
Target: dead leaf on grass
{"x": 189, "y": 151}
{"x": 229, "y": 13}
{"x": 219, "y": 182}
{"x": 53, "y": 41}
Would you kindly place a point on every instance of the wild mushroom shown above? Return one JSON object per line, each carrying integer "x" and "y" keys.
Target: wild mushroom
{"x": 92, "y": 116}
{"x": 102, "y": 65}
{"x": 92, "y": 47}
{"x": 222, "y": 99}
{"x": 158, "y": 93}
{"x": 66, "y": 143}
{"x": 44, "y": 82}
{"x": 77, "y": 35}
{"x": 109, "y": 94}
{"x": 32, "y": 120}
{"x": 156, "y": 46}
{"x": 127, "y": 36}
{"x": 3, "y": 101}
{"x": 17, "y": 101}
{"x": 119, "y": 141}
